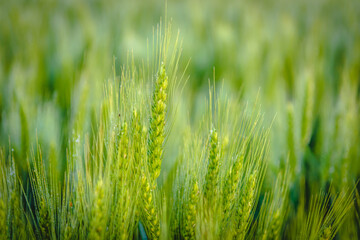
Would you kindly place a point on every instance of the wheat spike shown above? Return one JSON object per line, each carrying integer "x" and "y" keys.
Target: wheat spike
{"x": 149, "y": 214}
{"x": 307, "y": 112}
{"x": 190, "y": 213}
{"x": 123, "y": 149}
{"x": 212, "y": 175}
{"x": 326, "y": 234}
{"x": 18, "y": 222}
{"x": 245, "y": 207}
{"x": 275, "y": 226}
{"x": 98, "y": 220}
{"x": 138, "y": 138}
{"x": 291, "y": 138}
{"x": 44, "y": 220}
{"x": 231, "y": 185}
{"x": 157, "y": 123}
{"x": 3, "y": 224}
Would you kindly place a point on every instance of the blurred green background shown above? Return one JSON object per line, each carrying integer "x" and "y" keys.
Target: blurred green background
{"x": 299, "y": 59}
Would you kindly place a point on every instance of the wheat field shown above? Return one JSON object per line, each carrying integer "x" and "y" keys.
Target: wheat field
{"x": 180, "y": 119}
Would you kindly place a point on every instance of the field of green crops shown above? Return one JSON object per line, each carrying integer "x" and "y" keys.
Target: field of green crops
{"x": 180, "y": 119}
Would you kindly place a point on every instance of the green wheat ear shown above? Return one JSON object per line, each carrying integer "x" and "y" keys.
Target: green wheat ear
{"x": 190, "y": 213}
{"x": 18, "y": 222}
{"x": 150, "y": 216}
{"x": 3, "y": 225}
{"x": 123, "y": 150}
{"x": 157, "y": 123}
{"x": 245, "y": 207}
{"x": 138, "y": 140}
{"x": 211, "y": 178}
{"x": 275, "y": 226}
{"x": 307, "y": 112}
{"x": 291, "y": 138}
{"x": 326, "y": 234}
{"x": 232, "y": 183}
{"x": 44, "y": 220}
{"x": 98, "y": 220}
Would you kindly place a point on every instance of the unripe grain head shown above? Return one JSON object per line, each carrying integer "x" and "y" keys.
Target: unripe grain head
{"x": 190, "y": 213}
{"x": 150, "y": 216}
{"x": 212, "y": 175}
{"x": 98, "y": 219}
{"x": 157, "y": 123}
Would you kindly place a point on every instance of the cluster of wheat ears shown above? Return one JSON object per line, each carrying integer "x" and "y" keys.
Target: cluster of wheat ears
{"x": 113, "y": 186}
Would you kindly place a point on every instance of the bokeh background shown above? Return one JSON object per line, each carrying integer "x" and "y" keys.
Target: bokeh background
{"x": 300, "y": 60}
